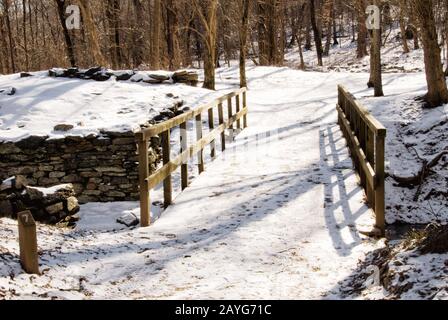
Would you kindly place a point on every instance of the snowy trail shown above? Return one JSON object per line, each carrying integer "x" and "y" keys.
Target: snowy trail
{"x": 275, "y": 216}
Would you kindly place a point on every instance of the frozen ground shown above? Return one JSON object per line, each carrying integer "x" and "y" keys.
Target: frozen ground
{"x": 278, "y": 220}
{"x": 41, "y": 102}
{"x": 276, "y": 216}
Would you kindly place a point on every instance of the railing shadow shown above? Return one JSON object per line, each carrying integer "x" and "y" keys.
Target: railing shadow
{"x": 341, "y": 214}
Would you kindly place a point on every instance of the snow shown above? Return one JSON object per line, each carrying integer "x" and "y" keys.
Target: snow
{"x": 276, "y": 216}
{"x": 42, "y": 102}
{"x": 343, "y": 58}
{"x": 52, "y": 190}
{"x": 279, "y": 220}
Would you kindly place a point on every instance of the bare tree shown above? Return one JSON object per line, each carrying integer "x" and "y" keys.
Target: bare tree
{"x": 244, "y": 9}
{"x": 207, "y": 13}
{"x": 435, "y": 78}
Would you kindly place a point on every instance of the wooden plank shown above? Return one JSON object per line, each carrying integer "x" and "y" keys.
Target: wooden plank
{"x": 229, "y": 116}
{"x": 244, "y": 107}
{"x": 379, "y": 190}
{"x": 371, "y": 121}
{"x": 211, "y": 125}
{"x": 167, "y": 183}
{"x": 28, "y": 242}
{"x": 370, "y": 154}
{"x": 143, "y": 173}
{"x": 357, "y": 151}
{"x": 238, "y": 109}
{"x": 200, "y": 153}
{"x": 362, "y": 141}
{"x": 183, "y": 148}
{"x": 176, "y": 121}
{"x": 221, "y": 121}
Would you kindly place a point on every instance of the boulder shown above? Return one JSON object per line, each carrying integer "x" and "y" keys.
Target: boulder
{"x": 128, "y": 219}
{"x": 63, "y": 127}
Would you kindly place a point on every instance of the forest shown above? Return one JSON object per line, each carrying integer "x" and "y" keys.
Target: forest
{"x": 224, "y": 149}
{"x": 178, "y": 34}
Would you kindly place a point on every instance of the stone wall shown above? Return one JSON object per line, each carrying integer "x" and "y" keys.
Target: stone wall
{"x": 55, "y": 205}
{"x": 101, "y": 168}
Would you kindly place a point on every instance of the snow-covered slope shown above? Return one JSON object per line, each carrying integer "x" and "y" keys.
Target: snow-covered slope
{"x": 275, "y": 216}
{"x": 41, "y": 102}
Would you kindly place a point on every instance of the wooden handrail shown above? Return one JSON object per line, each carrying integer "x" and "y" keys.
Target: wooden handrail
{"x": 365, "y": 137}
{"x": 176, "y": 121}
{"x": 148, "y": 182}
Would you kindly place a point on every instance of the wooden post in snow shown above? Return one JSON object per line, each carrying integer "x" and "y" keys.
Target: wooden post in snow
{"x": 28, "y": 242}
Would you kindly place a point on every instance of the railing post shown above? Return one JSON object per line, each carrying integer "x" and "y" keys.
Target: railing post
{"x": 370, "y": 154}
{"x": 143, "y": 174}
{"x": 211, "y": 125}
{"x": 221, "y": 121}
{"x": 244, "y": 107}
{"x": 380, "y": 176}
{"x": 199, "y": 137}
{"x": 237, "y": 102}
{"x": 229, "y": 114}
{"x": 166, "y": 153}
{"x": 183, "y": 147}
{"x": 28, "y": 242}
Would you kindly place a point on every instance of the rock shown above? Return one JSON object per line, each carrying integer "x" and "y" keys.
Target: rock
{"x": 128, "y": 219}
{"x": 124, "y": 141}
{"x": 152, "y": 81}
{"x": 72, "y": 205}
{"x": 8, "y": 91}
{"x": 101, "y": 76}
{"x": 7, "y": 184}
{"x": 90, "y": 72}
{"x": 159, "y": 77}
{"x": 56, "y": 174}
{"x": 110, "y": 169}
{"x": 116, "y": 194}
{"x": 71, "y": 72}
{"x": 123, "y": 75}
{"x": 32, "y": 142}
{"x": 25, "y": 75}
{"x": 34, "y": 193}
{"x": 55, "y": 208}
{"x": 63, "y": 127}
{"x": 20, "y": 182}
{"x": 6, "y": 209}
{"x": 167, "y": 113}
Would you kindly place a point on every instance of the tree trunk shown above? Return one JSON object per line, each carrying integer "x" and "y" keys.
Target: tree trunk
{"x": 317, "y": 35}
{"x": 207, "y": 12}
{"x": 375, "y": 57}
{"x": 243, "y": 41}
{"x": 403, "y": 28}
{"x": 68, "y": 41}
{"x": 435, "y": 78}
{"x": 155, "y": 36}
{"x": 362, "y": 30}
{"x": 91, "y": 33}
{"x": 172, "y": 38}
{"x": 10, "y": 37}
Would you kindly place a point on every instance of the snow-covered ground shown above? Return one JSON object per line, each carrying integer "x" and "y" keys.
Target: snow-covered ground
{"x": 41, "y": 102}
{"x": 343, "y": 57}
{"x": 276, "y": 216}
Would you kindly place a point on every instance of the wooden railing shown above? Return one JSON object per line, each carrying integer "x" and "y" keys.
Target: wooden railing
{"x": 365, "y": 136}
{"x": 148, "y": 182}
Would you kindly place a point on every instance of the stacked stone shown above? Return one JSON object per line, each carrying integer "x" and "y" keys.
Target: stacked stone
{"x": 57, "y": 204}
{"x": 101, "y": 168}
{"x": 103, "y": 74}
